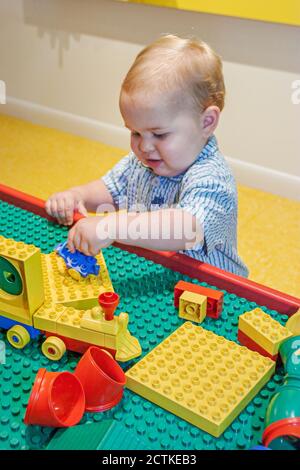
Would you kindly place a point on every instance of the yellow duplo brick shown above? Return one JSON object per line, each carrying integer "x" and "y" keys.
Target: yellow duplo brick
{"x": 192, "y": 306}
{"x": 263, "y": 329}
{"x": 69, "y": 325}
{"x": 47, "y": 315}
{"x": 94, "y": 320}
{"x": 60, "y": 287}
{"x": 201, "y": 377}
{"x": 127, "y": 346}
{"x": 110, "y": 341}
{"x": 21, "y": 280}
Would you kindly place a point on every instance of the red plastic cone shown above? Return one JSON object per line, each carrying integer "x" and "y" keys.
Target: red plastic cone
{"x": 57, "y": 399}
{"x": 102, "y": 379}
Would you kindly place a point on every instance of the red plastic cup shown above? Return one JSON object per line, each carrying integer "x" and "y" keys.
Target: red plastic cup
{"x": 109, "y": 302}
{"x": 102, "y": 379}
{"x": 57, "y": 399}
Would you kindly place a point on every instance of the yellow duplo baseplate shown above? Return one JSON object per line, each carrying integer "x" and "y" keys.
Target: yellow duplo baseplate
{"x": 61, "y": 288}
{"x": 192, "y": 306}
{"x": 263, "y": 329}
{"x": 200, "y": 377}
{"x": 21, "y": 280}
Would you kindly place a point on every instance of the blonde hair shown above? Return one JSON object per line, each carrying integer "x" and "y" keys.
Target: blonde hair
{"x": 176, "y": 64}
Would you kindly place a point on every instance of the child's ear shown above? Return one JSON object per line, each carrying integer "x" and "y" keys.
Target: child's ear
{"x": 210, "y": 119}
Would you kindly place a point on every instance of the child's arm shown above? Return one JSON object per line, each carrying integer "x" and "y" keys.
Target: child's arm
{"x": 81, "y": 198}
{"x": 88, "y": 197}
{"x": 94, "y": 194}
{"x": 163, "y": 230}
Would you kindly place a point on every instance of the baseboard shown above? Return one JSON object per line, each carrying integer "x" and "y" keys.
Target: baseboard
{"x": 67, "y": 122}
{"x": 248, "y": 174}
{"x": 266, "y": 179}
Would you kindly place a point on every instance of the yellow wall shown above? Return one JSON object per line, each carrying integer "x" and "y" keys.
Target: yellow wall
{"x": 274, "y": 11}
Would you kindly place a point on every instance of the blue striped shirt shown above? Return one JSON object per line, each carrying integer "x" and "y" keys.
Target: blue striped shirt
{"x": 206, "y": 190}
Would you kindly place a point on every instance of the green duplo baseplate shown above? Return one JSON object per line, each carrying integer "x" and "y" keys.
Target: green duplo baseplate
{"x": 146, "y": 293}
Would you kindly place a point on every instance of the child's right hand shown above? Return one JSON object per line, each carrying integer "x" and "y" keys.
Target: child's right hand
{"x": 62, "y": 206}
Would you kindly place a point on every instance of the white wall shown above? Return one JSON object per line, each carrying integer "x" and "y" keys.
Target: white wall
{"x": 63, "y": 62}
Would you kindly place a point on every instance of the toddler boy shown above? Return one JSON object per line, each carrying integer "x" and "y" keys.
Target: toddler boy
{"x": 175, "y": 186}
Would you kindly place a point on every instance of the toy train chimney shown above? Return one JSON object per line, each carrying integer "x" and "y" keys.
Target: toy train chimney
{"x": 109, "y": 302}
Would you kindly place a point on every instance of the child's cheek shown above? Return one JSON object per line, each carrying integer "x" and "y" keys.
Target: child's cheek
{"x": 133, "y": 146}
{"x": 167, "y": 151}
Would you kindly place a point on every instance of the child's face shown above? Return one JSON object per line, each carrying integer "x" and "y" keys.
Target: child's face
{"x": 164, "y": 136}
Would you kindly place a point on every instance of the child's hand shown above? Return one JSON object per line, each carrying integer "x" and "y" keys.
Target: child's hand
{"x": 62, "y": 206}
{"x": 83, "y": 237}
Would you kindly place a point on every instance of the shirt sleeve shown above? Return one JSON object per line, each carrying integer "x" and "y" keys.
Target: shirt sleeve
{"x": 116, "y": 180}
{"x": 213, "y": 203}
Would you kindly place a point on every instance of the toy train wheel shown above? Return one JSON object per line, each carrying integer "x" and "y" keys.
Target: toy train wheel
{"x": 18, "y": 336}
{"x": 53, "y": 348}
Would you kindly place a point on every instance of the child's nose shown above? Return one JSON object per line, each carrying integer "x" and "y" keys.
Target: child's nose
{"x": 146, "y": 146}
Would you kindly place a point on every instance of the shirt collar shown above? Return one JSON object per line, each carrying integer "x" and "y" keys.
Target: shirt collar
{"x": 210, "y": 148}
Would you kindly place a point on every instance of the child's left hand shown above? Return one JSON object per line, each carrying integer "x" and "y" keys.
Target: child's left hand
{"x": 83, "y": 237}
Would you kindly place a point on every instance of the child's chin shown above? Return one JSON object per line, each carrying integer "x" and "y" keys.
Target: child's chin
{"x": 159, "y": 172}
{"x": 165, "y": 172}
{"x": 162, "y": 170}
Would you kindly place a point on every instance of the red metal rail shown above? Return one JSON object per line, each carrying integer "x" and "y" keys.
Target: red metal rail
{"x": 271, "y": 298}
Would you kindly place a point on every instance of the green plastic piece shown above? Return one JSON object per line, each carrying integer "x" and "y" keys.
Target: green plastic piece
{"x": 146, "y": 292}
{"x": 286, "y": 402}
{"x": 10, "y": 279}
{"x": 107, "y": 434}
{"x": 290, "y": 355}
{"x": 81, "y": 437}
{"x": 285, "y": 443}
{"x": 120, "y": 437}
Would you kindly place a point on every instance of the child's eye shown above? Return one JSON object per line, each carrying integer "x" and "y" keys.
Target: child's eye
{"x": 160, "y": 136}
{"x": 135, "y": 134}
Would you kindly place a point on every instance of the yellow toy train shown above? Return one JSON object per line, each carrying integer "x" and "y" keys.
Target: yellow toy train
{"x": 38, "y": 296}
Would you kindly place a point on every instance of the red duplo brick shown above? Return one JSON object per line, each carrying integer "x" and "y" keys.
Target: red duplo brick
{"x": 250, "y": 344}
{"x": 214, "y": 297}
